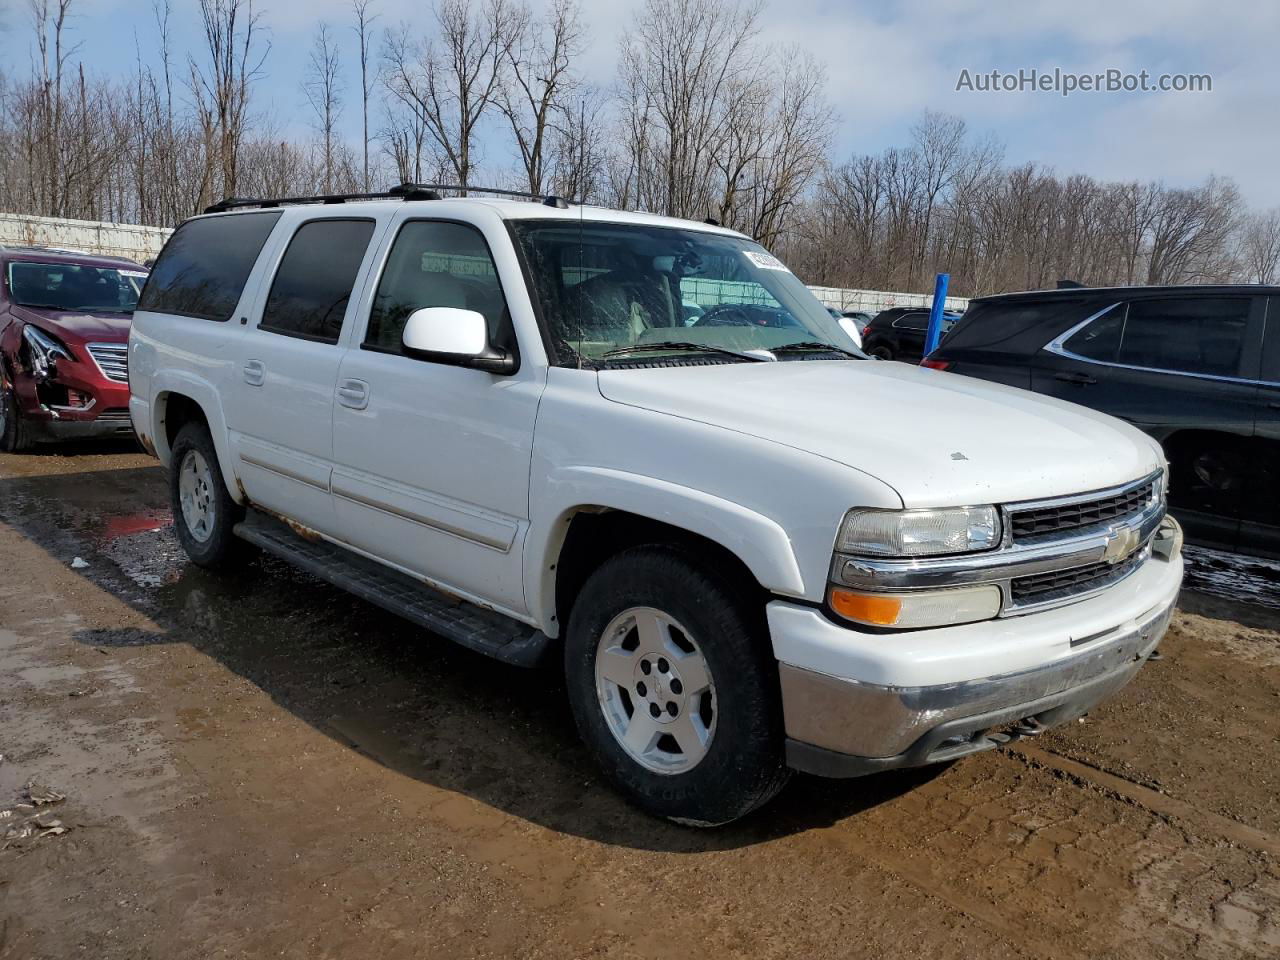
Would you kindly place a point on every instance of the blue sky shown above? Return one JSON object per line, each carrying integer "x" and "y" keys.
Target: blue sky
{"x": 887, "y": 62}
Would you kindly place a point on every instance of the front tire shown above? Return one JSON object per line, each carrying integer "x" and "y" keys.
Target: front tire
{"x": 15, "y": 437}
{"x": 203, "y": 512}
{"x": 674, "y": 688}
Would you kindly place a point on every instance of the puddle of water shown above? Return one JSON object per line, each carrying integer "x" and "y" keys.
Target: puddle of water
{"x": 150, "y": 558}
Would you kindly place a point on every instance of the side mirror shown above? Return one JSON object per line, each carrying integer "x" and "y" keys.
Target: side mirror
{"x": 454, "y": 336}
{"x": 851, "y": 331}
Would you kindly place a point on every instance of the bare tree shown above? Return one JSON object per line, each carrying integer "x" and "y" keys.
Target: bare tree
{"x": 221, "y": 86}
{"x": 1260, "y": 246}
{"x": 50, "y": 23}
{"x": 681, "y": 61}
{"x": 540, "y": 83}
{"x": 450, "y": 83}
{"x": 363, "y": 31}
{"x": 577, "y": 153}
{"x": 323, "y": 88}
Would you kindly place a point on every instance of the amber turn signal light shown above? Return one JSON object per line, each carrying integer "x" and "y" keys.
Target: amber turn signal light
{"x": 875, "y": 609}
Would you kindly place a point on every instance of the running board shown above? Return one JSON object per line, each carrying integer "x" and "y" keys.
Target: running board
{"x": 465, "y": 623}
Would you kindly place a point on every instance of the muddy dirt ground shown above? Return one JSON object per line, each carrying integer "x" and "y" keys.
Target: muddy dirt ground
{"x": 259, "y": 765}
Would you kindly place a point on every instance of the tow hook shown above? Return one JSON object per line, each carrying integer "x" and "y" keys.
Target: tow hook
{"x": 1028, "y": 727}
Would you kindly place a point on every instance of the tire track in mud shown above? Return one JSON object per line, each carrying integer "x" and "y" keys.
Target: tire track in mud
{"x": 1061, "y": 868}
{"x": 1161, "y": 804}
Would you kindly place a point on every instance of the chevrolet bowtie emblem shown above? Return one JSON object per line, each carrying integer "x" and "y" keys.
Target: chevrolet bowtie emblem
{"x": 1120, "y": 543}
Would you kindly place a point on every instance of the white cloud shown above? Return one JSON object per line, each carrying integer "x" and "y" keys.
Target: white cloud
{"x": 886, "y": 64}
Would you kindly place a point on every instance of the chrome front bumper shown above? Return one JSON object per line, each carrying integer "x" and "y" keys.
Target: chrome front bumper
{"x": 846, "y": 728}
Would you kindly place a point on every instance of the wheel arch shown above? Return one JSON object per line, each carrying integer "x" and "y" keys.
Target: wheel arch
{"x": 639, "y": 510}
{"x": 181, "y": 401}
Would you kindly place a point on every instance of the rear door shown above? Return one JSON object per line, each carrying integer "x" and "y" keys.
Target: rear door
{"x": 1179, "y": 368}
{"x": 908, "y": 334}
{"x": 280, "y": 409}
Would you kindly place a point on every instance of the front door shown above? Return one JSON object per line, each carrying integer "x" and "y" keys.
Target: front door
{"x": 280, "y": 412}
{"x": 431, "y": 461}
{"x": 1177, "y": 368}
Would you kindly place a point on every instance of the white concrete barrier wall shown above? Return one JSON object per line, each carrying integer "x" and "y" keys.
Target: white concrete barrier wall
{"x": 141, "y": 244}
{"x": 136, "y": 242}
{"x": 873, "y": 301}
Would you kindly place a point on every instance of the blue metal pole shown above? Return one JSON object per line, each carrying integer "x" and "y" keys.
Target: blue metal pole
{"x": 934, "y": 333}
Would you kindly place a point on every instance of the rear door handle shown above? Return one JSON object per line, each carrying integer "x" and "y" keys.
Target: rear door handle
{"x": 1080, "y": 379}
{"x": 353, "y": 394}
{"x": 254, "y": 373}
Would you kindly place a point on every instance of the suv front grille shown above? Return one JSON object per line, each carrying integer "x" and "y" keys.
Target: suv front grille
{"x": 1058, "y": 518}
{"x": 112, "y": 359}
{"x": 1060, "y": 584}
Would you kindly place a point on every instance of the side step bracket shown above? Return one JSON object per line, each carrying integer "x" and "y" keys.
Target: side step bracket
{"x": 465, "y": 623}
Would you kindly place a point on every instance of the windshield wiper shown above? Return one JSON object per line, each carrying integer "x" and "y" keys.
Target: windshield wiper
{"x": 807, "y": 346}
{"x": 683, "y": 346}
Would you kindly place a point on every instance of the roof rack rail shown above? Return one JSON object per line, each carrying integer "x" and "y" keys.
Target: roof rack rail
{"x": 546, "y": 199}
{"x": 405, "y": 191}
{"x": 402, "y": 192}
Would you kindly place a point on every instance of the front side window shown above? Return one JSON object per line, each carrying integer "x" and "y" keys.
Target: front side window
{"x": 312, "y": 287}
{"x": 436, "y": 263}
{"x": 75, "y": 288}
{"x": 609, "y": 292}
{"x": 202, "y": 270}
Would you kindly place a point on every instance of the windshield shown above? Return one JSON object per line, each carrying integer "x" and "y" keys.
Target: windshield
{"x": 75, "y": 287}
{"x": 610, "y": 292}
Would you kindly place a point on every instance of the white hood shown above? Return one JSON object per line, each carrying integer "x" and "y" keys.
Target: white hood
{"x": 939, "y": 439}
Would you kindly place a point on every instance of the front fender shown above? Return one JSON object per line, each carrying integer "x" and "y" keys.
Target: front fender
{"x": 759, "y": 542}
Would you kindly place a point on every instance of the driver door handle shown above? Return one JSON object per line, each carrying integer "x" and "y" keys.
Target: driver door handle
{"x": 1079, "y": 379}
{"x": 353, "y": 394}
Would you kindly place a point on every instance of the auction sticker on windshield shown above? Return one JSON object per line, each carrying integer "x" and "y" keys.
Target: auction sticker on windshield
{"x": 765, "y": 261}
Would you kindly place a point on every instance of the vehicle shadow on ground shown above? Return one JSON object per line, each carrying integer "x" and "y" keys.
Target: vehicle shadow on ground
{"x": 415, "y": 703}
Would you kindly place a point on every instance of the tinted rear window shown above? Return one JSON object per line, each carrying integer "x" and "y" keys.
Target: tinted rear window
{"x": 1003, "y": 323}
{"x": 309, "y": 295}
{"x": 203, "y": 268}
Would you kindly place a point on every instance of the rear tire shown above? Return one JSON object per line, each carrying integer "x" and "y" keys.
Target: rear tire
{"x": 674, "y": 688}
{"x": 15, "y": 437}
{"x": 203, "y": 511}
{"x": 881, "y": 353}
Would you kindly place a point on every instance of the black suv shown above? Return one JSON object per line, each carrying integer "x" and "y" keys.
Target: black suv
{"x": 1196, "y": 367}
{"x": 898, "y": 333}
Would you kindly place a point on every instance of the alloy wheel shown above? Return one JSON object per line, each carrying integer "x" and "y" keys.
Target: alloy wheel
{"x": 195, "y": 494}
{"x": 655, "y": 690}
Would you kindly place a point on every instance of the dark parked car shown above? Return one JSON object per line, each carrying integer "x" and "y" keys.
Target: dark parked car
{"x": 64, "y": 330}
{"x": 898, "y": 333}
{"x": 1196, "y": 367}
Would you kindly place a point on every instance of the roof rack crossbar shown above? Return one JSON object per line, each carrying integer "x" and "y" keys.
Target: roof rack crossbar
{"x": 405, "y": 191}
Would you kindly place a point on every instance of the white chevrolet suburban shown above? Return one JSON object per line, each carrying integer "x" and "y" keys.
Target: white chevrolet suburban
{"x": 754, "y": 549}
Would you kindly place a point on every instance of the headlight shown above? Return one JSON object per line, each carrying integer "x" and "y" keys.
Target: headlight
{"x": 44, "y": 350}
{"x": 918, "y": 533}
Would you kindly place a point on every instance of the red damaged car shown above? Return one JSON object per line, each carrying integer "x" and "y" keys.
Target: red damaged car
{"x": 64, "y": 332}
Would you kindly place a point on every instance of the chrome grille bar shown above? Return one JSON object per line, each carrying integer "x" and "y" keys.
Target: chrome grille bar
{"x": 112, "y": 359}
